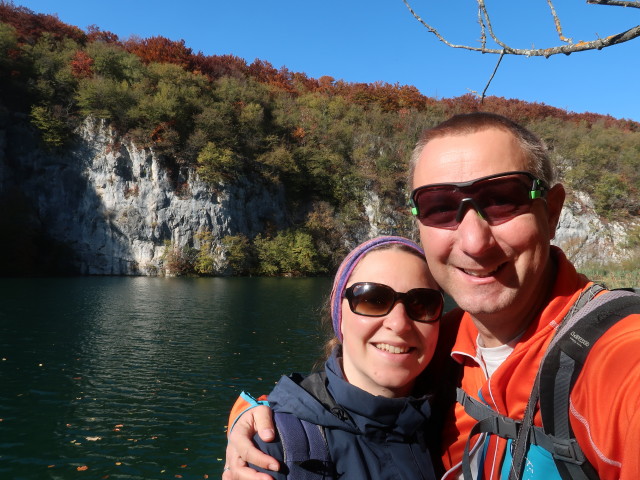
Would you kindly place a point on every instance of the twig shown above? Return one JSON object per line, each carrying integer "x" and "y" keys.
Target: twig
{"x": 491, "y": 78}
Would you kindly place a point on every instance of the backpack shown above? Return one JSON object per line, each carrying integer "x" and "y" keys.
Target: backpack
{"x": 585, "y": 323}
{"x": 304, "y": 445}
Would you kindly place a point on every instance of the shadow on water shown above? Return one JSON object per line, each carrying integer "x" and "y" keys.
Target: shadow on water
{"x": 133, "y": 378}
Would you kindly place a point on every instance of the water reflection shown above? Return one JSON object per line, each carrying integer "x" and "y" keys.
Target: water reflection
{"x": 133, "y": 377}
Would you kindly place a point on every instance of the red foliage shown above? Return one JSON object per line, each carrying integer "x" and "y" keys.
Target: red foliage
{"x": 161, "y": 50}
{"x": 389, "y": 97}
{"x": 30, "y": 25}
{"x": 82, "y": 65}
{"x": 217, "y": 66}
{"x": 94, "y": 34}
{"x": 524, "y": 112}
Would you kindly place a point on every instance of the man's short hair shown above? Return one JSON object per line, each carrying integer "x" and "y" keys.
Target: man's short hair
{"x": 539, "y": 163}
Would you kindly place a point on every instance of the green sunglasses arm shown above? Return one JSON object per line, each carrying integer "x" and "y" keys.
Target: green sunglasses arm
{"x": 414, "y": 209}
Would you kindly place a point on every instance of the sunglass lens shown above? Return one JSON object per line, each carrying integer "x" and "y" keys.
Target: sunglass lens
{"x": 504, "y": 200}
{"x": 423, "y": 304}
{"x": 371, "y": 299}
{"x": 438, "y": 207}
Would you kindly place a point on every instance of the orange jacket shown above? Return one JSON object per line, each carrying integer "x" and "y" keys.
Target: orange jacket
{"x": 604, "y": 403}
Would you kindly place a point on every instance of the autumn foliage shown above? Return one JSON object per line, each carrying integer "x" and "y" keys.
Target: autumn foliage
{"x": 331, "y": 145}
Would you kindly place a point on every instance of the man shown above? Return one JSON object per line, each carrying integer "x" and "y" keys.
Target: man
{"x": 488, "y": 245}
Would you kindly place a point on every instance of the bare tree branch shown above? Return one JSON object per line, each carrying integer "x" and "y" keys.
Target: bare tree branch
{"x": 567, "y": 48}
{"x": 556, "y": 21}
{"x": 616, "y": 3}
{"x": 484, "y": 92}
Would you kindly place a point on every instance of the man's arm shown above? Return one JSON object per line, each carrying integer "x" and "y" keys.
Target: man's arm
{"x": 241, "y": 449}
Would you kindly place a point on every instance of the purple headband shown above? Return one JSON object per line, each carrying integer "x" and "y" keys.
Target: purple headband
{"x": 347, "y": 266}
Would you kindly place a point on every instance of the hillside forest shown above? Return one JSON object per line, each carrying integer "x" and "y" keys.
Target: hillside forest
{"x": 329, "y": 143}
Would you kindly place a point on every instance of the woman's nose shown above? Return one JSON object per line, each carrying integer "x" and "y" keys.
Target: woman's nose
{"x": 397, "y": 319}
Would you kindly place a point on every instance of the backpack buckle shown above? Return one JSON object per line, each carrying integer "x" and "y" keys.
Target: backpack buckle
{"x": 567, "y": 450}
{"x": 505, "y": 427}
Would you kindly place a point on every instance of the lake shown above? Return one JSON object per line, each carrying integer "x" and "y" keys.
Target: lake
{"x": 133, "y": 378}
{"x": 130, "y": 378}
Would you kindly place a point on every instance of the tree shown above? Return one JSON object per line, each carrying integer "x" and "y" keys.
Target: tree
{"x": 567, "y": 47}
{"x": 217, "y": 164}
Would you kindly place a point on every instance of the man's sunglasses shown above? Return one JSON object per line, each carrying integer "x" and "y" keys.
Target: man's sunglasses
{"x": 377, "y": 300}
{"x": 496, "y": 198}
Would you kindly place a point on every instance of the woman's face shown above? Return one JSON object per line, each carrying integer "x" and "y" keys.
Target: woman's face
{"x": 384, "y": 355}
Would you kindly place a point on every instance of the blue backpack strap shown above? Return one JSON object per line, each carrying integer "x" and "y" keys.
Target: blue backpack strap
{"x": 560, "y": 368}
{"x": 306, "y": 453}
{"x": 489, "y": 421}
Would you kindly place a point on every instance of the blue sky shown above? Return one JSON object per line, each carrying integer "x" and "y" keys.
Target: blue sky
{"x": 379, "y": 40}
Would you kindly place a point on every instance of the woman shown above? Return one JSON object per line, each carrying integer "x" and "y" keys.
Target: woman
{"x": 368, "y": 400}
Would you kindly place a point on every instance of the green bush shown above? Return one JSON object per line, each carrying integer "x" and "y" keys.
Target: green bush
{"x": 53, "y": 129}
{"x": 216, "y": 164}
{"x": 204, "y": 263}
{"x": 289, "y": 253}
{"x": 240, "y": 254}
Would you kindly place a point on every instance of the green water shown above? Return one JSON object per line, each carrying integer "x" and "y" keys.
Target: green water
{"x": 133, "y": 377}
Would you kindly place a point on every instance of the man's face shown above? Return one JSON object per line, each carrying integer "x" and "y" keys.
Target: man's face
{"x": 496, "y": 273}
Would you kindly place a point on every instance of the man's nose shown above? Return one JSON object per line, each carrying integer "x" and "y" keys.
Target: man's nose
{"x": 474, "y": 233}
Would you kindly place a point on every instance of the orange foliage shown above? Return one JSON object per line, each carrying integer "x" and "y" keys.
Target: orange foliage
{"x": 389, "y": 97}
{"x": 217, "y": 66}
{"x": 299, "y": 133}
{"x": 82, "y": 65}
{"x": 393, "y": 98}
{"x": 161, "y": 50}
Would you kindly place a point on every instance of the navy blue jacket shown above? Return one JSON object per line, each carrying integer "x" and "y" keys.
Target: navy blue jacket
{"x": 380, "y": 438}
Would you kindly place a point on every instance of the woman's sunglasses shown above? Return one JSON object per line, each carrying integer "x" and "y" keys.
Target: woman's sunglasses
{"x": 377, "y": 300}
{"x": 496, "y": 198}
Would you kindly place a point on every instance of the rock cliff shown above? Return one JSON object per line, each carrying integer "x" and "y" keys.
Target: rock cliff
{"x": 114, "y": 205}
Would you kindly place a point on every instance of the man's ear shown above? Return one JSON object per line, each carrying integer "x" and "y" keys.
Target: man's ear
{"x": 555, "y": 201}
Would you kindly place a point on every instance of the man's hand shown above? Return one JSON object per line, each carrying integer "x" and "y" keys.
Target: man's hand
{"x": 241, "y": 450}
